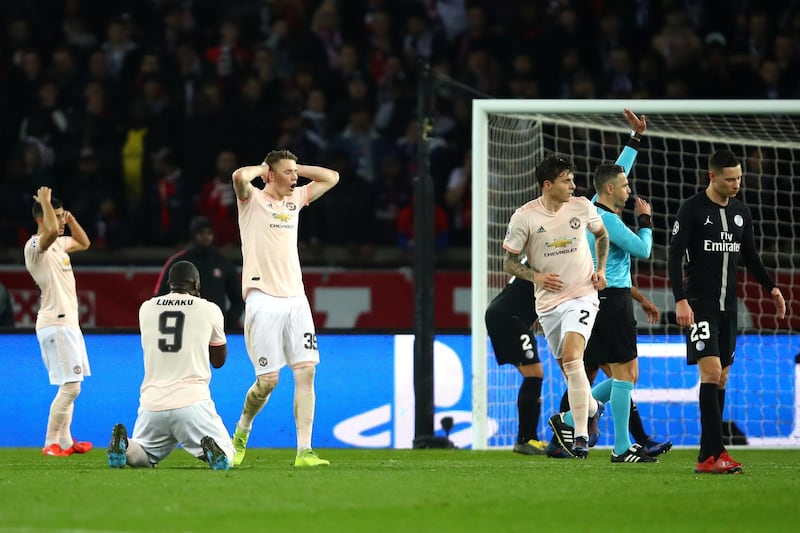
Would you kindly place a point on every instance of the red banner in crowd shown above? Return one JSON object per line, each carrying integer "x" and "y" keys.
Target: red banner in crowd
{"x": 364, "y": 300}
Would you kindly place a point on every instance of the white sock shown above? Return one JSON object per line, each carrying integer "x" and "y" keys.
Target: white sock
{"x": 136, "y": 456}
{"x": 60, "y": 415}
{"x": 304, "y": 403}
{"x": 579, "y": 392}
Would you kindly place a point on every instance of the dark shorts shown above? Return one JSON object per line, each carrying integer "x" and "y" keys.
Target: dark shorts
{"x": 508, "y": 323}
{"x": 712, "y": 334}
{"x": 613, "y": 337}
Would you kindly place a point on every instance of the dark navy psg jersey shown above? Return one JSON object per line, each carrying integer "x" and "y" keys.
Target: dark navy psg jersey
{"x": 712, "y": 239}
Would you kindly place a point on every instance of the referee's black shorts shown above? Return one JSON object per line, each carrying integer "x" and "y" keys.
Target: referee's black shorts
{"x": 613, "y": 337}
{"x": 712, "y": 334}
{"x": 509, "y": 318}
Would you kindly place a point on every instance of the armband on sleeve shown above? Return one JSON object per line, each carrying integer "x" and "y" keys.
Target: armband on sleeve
{"x": 645, "y": 221}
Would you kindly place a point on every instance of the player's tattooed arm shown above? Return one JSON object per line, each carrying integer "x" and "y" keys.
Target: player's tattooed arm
{"x": 512, "y": 263}
{"x": 601, "y": 245}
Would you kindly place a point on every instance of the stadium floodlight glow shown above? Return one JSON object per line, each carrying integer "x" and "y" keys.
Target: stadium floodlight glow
{"x": 510, "y": 136}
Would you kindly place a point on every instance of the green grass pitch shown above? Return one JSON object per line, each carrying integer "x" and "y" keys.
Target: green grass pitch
{"x": 399, "y": 490}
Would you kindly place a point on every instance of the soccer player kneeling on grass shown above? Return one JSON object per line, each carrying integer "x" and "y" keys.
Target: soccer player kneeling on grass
{"x": 181, "y": 334}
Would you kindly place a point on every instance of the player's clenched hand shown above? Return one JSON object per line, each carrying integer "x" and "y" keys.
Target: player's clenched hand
{"x": 549, "y": 281}
{"x": 780, "y": 303}
{"x": 599, "y": 280}
{"x": 68, "y": 218}
{"x": 684, "y": 315}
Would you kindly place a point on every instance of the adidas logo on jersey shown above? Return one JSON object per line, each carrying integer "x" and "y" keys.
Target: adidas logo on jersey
{"x": 540, "y": 230}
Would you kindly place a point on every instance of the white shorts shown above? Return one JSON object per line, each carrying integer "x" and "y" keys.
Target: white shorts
{"x": 64, "y": 354}
{"x": 576, "y": 315}
{"x": 278, "y": 331}
{"x": 160, "y": 432}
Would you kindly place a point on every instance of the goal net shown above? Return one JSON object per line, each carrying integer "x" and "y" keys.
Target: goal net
{"x": 511, "y": 136}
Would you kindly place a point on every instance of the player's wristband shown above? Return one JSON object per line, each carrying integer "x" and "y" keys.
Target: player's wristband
{"x": 645, "y": 221}
{"x": 636, "y": 136}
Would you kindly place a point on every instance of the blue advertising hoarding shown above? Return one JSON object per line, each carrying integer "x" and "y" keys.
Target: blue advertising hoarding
{"x": 365, "y": 393}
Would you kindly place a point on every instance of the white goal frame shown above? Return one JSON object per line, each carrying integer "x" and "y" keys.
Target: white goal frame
{"x": 481, "y": 109}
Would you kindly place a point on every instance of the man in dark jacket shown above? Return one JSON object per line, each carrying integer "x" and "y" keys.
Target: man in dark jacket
{"x": 219, "y": 279}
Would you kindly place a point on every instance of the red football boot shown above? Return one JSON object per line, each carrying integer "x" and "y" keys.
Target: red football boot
{"x": 81, "y": 446}
{"x": 726, "y": 465}
{"x": 54, "y": 450}
{"x": 706, "y": 467}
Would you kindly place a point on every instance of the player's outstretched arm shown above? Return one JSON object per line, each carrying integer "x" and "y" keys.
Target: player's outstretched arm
{"x": 324, "y": 179}
{"x": 628, "y": 155}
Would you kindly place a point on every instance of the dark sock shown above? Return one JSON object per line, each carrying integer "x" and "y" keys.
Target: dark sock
{"x": 710, "y": 422}
{"x": 564, "y": 406}
{"x": 529, "y": 409}
{"x": 721, "y": 394}
{"x": 635, "y": 425}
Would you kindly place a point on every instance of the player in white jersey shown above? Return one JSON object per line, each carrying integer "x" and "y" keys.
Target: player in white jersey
{"x": 57, "y": 326}
{"x": 181, "y": 334}
{"x": 278, "y": 325}
{"x": 551, "y": 232}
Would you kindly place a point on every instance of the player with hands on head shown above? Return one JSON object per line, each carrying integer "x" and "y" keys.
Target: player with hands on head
{"x": 278, "y": 325}
{"x": 550, "y": 231}
{"x": 712, "y": 232}
{"x": 182, "y": 334}
{"x": 57, "y": 321}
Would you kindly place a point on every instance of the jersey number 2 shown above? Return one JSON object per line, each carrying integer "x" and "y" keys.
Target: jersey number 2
{"x": 170, "y": 324}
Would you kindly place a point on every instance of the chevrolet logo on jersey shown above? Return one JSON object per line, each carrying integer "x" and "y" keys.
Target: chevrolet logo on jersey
{"x": 283, "y": 217}
{"x": 560, "y": 243}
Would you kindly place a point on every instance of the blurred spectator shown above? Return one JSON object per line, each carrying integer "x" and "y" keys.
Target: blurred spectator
{"x": 172, "y": 198}
{"x": 217, "y": 200}
{"x": 336, "y": 79}
{"x": 315, "y": 120}
{"x": 110, "y": 229}
{"x": 458, "y": 200}
{"x": 405, "y": 227}
{"x": 120, "y": 49}
{"x": 47, "y": 120}
{"x": 229, "y": 57}
{"x": 219, "y": 280}
{"x": 6, "y": 308}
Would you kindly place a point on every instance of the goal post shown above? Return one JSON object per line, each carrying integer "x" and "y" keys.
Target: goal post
{"x": 510, "y": 136}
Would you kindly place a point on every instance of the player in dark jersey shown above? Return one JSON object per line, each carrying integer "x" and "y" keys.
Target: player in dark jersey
{"x": 509, "y": 320}
{"x": 713, "y": 231}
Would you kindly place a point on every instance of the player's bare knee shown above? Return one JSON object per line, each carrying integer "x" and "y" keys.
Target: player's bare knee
{"x": 70, "y": 390}
{"x": 304, "y": 375}
{"x": 265, "y": 384}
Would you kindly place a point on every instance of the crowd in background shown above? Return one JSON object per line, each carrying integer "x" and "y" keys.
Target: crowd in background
{"x": 136, "y": 112}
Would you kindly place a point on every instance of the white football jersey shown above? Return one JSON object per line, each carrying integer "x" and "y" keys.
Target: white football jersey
{"x": 177, "y": 330}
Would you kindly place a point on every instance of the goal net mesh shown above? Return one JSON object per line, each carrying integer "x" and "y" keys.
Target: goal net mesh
{"x": 671, "y": 166}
